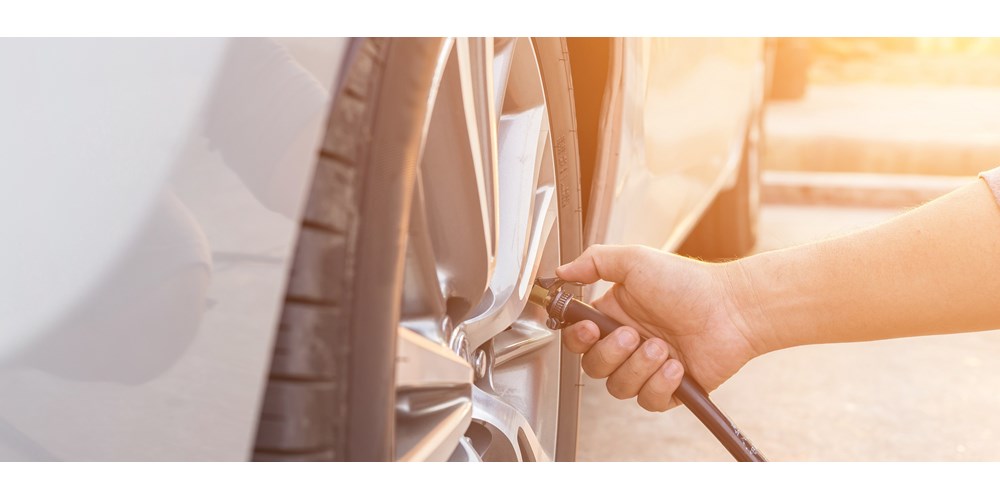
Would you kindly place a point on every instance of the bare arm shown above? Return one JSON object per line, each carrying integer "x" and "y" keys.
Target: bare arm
{"x": 935, "y": 269}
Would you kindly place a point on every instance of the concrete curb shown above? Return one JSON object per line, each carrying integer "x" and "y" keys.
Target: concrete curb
{"x": 856, "y": 189}
{"x": 884, "y": 129}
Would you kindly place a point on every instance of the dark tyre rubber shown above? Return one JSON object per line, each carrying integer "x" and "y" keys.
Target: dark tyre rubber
{"x": 330, "y": 392}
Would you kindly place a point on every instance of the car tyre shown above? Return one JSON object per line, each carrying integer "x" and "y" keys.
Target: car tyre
{"x": 331, "y": 392}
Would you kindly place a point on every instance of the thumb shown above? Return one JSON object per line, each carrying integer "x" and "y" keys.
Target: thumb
{"x": 601, "y": 262}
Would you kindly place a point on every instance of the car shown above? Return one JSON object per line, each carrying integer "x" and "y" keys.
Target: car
{"x": 321, "y": 249}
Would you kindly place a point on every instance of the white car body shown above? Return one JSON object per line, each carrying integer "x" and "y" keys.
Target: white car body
{"x": 151, "y": 190}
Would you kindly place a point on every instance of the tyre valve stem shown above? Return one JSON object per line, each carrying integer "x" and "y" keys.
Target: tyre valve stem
{"x": 549, "y": 293}
{"x": 564, "y": 309}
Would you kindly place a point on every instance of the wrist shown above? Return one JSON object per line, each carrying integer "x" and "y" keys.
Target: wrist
{"x": 748, "y": 303}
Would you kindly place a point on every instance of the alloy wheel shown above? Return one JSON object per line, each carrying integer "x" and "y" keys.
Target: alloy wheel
{"x": 478, "y": 373}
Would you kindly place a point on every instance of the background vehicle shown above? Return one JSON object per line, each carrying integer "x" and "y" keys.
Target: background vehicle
{"x": 187, "y": 281}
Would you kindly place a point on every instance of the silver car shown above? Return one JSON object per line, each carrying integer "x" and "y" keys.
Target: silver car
{"x": 322, "y": 249}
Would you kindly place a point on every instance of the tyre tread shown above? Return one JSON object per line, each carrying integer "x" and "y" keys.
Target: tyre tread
{"x": 301, "y": 416}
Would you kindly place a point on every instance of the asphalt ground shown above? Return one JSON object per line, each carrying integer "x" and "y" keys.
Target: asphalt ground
{"x": 930, "y": 398}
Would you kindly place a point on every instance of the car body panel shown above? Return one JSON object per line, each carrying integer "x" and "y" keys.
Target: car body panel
{"x": 672, "y": 130}
{"x": 155, "y": 188}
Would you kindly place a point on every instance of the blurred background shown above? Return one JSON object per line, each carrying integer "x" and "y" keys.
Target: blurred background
{"x": 856, "y": 131}
{"x": 884, "y": 105}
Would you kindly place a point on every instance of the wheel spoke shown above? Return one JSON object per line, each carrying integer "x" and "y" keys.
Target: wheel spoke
{"x": 424, "y": 306}
{"x": 525, "y": 373}
{"x": 523, "y": 338}
{"x": 433, "y": 398}
{"x": 503, "y": 52}
{"x": 480, "y": 88}
{"x": 465, "y": 452}
{"x": 458, "y": 202}
{"x": 510, "y": 296}
{"x": 512, "y": 438}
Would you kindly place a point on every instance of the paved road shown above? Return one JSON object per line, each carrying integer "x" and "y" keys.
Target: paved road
{"x": 933, "y": 398}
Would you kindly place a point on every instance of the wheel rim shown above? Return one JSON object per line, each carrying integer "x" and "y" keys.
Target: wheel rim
{"x": 478, "y": 372}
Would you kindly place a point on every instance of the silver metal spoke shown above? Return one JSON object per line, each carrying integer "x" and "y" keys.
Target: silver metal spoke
{"x": 512, "y": 296}
{"x": 525, "y": 372}
{"x": 442, "y": 62}
{"x": 523, "y": 338}
{"x": 465, "y": 452}
{"x": 459, "y": 202}
{"x": 503, "y": 53}
{"x": 424, "y": 363}
{"x": 512, "y": 435}
{"x": 480, "y": 58}
{"x": 433, "y": 398}
{"x": 524, "y": 85}
{"x": 424, "y": 306}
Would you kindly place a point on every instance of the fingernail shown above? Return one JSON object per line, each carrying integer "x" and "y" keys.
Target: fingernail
{"x": 671, "y": 369}
{"x": 588, "y": 335}
{"x": 653, "y": 349}
{"x": 628, "y": 339}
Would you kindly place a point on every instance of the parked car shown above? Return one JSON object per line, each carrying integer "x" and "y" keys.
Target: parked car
{"x": 321, "y": 249}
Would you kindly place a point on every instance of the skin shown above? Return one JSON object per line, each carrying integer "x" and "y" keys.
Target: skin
{"x": 932, "y": 270}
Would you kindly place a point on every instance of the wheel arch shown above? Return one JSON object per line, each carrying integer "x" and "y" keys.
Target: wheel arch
{"x": 591, "y": 63}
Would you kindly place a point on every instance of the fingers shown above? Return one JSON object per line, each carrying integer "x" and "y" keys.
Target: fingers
{"x": 607, "y": 262}
{"x": 580, "y": 337}
{"x": 656, "y": 394}
{"x": 608, "y": 354}
{"x": 632, "y": 366}
{"x": 629, "y": 378}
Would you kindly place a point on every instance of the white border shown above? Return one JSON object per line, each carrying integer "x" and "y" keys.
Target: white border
{"x": 499, "y": 17}
{"x": 619, "y": 481}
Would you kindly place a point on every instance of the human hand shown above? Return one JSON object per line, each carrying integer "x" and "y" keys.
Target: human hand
{"x": 679, "y": 314}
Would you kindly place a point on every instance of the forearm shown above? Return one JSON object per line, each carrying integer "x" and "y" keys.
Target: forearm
{"x": 935, "y": 269}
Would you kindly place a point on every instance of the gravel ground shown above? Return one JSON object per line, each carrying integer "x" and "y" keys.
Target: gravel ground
{"x": 931, "y": 398}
